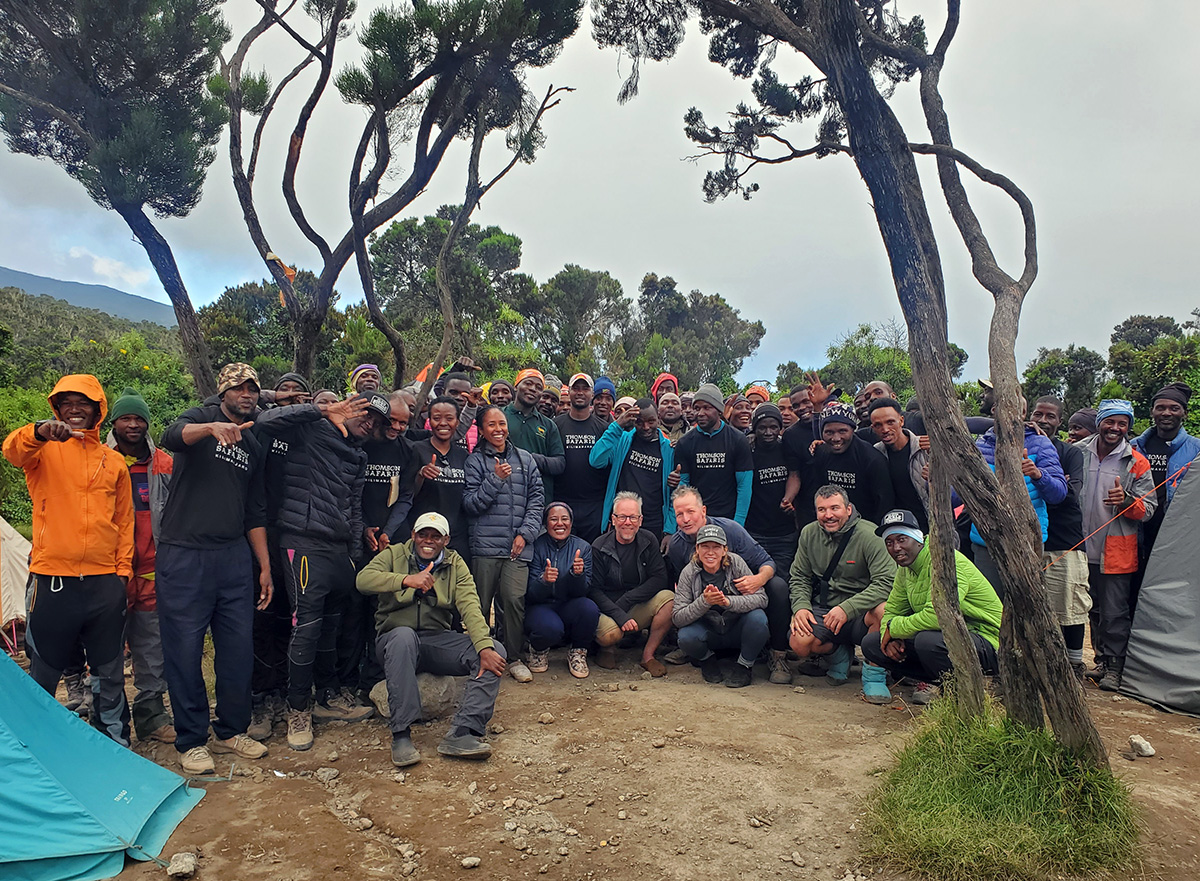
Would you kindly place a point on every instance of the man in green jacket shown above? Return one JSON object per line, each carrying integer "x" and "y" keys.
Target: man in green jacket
{"x": 840, "y": 578}
{"x": 420, "y": 584}
{"x": 910, "y": 643}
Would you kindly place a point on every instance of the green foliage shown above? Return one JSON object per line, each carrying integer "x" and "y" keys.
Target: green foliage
{"x": 1141, "y": 331}
{"x": 18, "y": 406}
{"x": 132, "y": 77}
{"x": 1144, "y": 371}
{"x": 990, "y": 799}
{"x": 575, "y": 316}
{"x": 1074, "y": 375}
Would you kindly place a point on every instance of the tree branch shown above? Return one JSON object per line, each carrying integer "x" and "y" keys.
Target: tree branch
{"x": 953, "y": 8}
{"x": 269, "y": 10}
{"x": 57, "y": 112}
{"x": 769, "y": 19}
{"x": 899, "y": 51}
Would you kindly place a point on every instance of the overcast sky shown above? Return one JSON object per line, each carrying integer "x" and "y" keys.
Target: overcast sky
{"x": 1090, "y": 108}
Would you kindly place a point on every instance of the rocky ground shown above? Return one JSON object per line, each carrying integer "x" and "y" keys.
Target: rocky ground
{"x": 618, "y": 776}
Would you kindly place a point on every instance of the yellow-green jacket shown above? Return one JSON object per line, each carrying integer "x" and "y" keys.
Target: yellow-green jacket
{"x": 910, "y": 605}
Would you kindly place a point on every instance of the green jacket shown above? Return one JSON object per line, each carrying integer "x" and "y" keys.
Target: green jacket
{"x": 399, "y": 606}
{"x": 910, "y": 605}
{"x": 862, "y": 578}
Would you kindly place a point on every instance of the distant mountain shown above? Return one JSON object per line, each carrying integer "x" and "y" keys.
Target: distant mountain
{"x": 91, "y": 296}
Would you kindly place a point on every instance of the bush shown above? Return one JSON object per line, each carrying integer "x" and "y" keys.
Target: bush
{"x": 991, "y": 799}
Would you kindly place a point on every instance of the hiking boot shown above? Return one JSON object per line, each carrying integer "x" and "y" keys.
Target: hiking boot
{"x": 241, "y": 745}
{"x": 577, "y": 663}
{"x": 539, "y": 662}
{"x": 162, "y": 734}
{"x": 924, "y": 693}
{"x": 403, "y": 751}
{"x": 518, "y": 671}
{"x": 874, "y": 685}
{"x": 739, "y": 676}
{"x": 279, "y": 707}
{"x": 710, "y": 669}
{"x": 781, "y": 673}
{"x": 678, "y": 657}
{"x": 75, "y": 691}
{"x": 1080, "y": 670}
{"x": 607, "y": 657}
{"x": 262, "y": 718}
{"x": 464, "y": 746}
{"x": 811, "y": 667}
{"x": 197, "y": 761}
{"x": 654, "y": 667}
{"x": 839, "y": 665}
{"x": 336, "y": 707}
{"x": 1097, "y": 673}
{"x": 1112, "y": 676}
{"x": 299, "y": 733}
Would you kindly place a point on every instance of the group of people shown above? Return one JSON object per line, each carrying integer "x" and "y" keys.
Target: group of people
{"x": 332, "y": 541}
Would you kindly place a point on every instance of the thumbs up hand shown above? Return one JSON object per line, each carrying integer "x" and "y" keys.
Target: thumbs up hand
{"x": 577, "y": 563}
{"x": 1028, "y": 468}
{"x": 674, "y": 477}
{"x": 550, "y": 575}
{"x": 431, "y": 471}
{"x": 1116, "y": 495}
{"x": 421, "y": 581}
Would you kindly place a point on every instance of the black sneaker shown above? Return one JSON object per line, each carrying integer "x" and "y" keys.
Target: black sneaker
{"x": 710, "y": 669}
{"x": 403, "y": 751}
{"x": 739, "y": 677}
{"x": 464, "y": 746}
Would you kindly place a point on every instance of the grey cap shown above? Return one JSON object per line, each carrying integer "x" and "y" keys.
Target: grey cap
{"x": 712, "y": 532}
{"x": 711, "y": 394}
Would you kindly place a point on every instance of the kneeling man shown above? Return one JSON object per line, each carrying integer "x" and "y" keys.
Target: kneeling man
{"x": 910, "y": 642}
{"x": 420, "y": 585}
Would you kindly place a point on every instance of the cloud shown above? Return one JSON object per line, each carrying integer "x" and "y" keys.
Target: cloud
{"x": 111, "y": 269}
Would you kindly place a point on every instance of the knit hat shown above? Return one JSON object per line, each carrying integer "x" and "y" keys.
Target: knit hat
{"x": 552, "y": 506}
{"x": 233, "y": 375}
{"x": 526, "y": 374}
{"x": 1114, "y": 407}
{"x": 604, "y": 384}
{"x": 130, "y": 404}
{"x": 761, "y": 390}
{"x": 659, "y": 380}
{"x": 360, "y": 370}
{"x": 1085, "y": 417}
{"x": 495, "y": 382}
{"x": 625, "y": 401}
{"x": 839, "y": 412}
{"x": 551, "y": 381}
{"x": 1179, "y": 392}
{"x": 766, "y": 411}
{"x": 711, "y": 395}
{"x": 293, "y": 377}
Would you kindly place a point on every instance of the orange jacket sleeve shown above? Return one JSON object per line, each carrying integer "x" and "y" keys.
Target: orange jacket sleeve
{"x": 22, "y": 447}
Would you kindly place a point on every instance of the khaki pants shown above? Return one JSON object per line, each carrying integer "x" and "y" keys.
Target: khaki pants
{"x": 642, "y": 613}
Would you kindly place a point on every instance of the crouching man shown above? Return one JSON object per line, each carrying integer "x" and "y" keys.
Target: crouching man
{"x": 909, "y": 642}
{"x": 420, "y": 585}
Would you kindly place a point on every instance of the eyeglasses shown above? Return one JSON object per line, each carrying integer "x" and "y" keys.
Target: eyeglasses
{"x": 626, "y": 518}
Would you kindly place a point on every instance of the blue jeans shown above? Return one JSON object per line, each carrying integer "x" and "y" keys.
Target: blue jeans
{"x": 551, "y": 624}
{"x": 747, "y": 633}
{"x": 198, "y": 589}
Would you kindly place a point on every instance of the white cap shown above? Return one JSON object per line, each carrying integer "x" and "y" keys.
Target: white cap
{"x": 432, "y": 520}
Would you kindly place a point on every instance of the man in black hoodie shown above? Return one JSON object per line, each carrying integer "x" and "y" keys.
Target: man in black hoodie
{"x": 320, "y": 537}
{"x": 851, "y": 463}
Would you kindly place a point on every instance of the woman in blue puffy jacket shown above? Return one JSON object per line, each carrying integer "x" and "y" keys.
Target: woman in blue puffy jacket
{"x": 557, "y": 606}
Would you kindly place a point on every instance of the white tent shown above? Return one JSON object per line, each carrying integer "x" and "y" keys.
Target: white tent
{"x": 14, "y": 573}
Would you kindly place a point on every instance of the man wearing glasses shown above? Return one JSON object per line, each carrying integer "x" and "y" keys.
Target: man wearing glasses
{"x": 629, "y": 584}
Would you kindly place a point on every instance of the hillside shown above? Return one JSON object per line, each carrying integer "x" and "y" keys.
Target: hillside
{"x": 91, "y": 296}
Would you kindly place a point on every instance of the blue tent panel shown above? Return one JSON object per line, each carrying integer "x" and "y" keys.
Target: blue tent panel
{"x": 73, "y": 803}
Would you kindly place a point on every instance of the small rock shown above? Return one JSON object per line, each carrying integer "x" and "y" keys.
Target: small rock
{"x": 562, "y": 851}
{"x": 333, "y": 756}
{"x": 182, "y": 865}
{"x": 495, "y": 728}
{"x": 572, "y": 831}
{"x": 472, "y": 787}
{"x": 1140, "y": 745}
{"x": 545, "y": 868}
{"x": 633, "y": 686}
{"x": 621, "y": 815}
{"x": 546, "y": 718}
{"x": 647, "y": 675}
{"x": 492, "y": 788}
{"x": 612, "y": 686}
{"x": 471, "y": 862}
{"x": 1117, "y": 698}
{"x": 658, "y": 742}
{"x": 799, "y": 689}
{"x": 325, "y": 775}
{"x": 563, "y": 769}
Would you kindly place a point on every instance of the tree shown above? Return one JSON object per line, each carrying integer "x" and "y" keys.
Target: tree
{"x": 861, "y": 356}
{"x": 116, "y": 96}
{"x": 1141, "y": 331}
{"x": 860, "y": 52}
{"x": 1074, "y": 375}
{"x": 425, "y": 71}
{"x": 574, "y": 316}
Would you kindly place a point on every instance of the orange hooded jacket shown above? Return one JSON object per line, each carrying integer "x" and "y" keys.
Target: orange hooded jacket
{"x": 82, "y": 496}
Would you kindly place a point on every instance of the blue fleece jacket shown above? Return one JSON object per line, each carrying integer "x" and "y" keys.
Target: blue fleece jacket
{"x": 611, "y": 450}
{"x": 1184, "y": 448}
{"x": 1049, "y": 489}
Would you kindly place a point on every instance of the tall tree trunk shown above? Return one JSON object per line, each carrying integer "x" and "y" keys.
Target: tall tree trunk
{"x": 195, "y": 350}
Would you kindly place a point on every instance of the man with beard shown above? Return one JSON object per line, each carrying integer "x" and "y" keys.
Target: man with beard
{"x": 907, "y": 460}
{"x": 582, "y": 485}
{"x": 670, "y": 416}
{"x": 851, "y": 463}
{"x": 715, "y": 458}
{"x": 639, "y": 459}
{"x": 533, "y": 431}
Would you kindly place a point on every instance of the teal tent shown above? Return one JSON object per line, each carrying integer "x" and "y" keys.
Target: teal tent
{"x": 73, "y": 803}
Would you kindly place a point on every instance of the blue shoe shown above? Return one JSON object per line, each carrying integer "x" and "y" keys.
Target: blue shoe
{"x": 874, "y": 685}
{"x": 839, "y": 665}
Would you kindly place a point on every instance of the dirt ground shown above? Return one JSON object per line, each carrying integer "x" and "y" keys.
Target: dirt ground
{"x": 664, "y": 779}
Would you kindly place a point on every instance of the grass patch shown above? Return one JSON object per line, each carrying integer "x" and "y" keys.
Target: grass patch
{"x": 990, "y": 799}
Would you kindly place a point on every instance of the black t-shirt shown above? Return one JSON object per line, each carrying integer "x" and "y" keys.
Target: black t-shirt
{"x": 862, "y": 471}
{"x": 581, "y": 486}
{"x": 628, "y": 555}
{"x": 1158, "y": 451}
{"x": 765, "y": 517}
{"x": 642, "y": 473}
{"x": 443, "y": 495}
{"x": 1064, "y": 521}
{"x": 902, "y": 485}
{"x": 711, "y": 463}
{"x": 385, "y": 460}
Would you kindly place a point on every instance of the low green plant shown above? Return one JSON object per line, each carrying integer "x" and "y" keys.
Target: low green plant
{"x": 991, "y": 799}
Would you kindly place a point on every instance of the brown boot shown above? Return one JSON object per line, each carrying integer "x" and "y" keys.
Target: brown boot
{"x": 607, "y": 657}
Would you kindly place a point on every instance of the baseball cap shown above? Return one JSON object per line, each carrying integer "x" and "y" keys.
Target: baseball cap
{"x": 578, "y": 376}
{"x": 432, "y": 520}
{"x": 712, "y": 532}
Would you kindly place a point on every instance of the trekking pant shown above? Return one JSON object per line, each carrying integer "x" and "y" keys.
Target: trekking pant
{"x": 1111, "y": 615}
{"x": 201, "y": 589}
{"x": 406, "y": 652}
{"x": 64, "y": 611}
{"x": 319, "y": 585}
{"x": 779, "y": 612}
{"x": 926, "y": 657}
{"x": 988, "y": 569}
{"x": 272, "y": 631}
{"x": 354, "y": 636}
{"x": 509, "y": 579}
{"x": 782, "y": 549}
{"x": 551, "y": 624}
{"x": 142, "y": 632}
{"x": 747, "y": 633}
